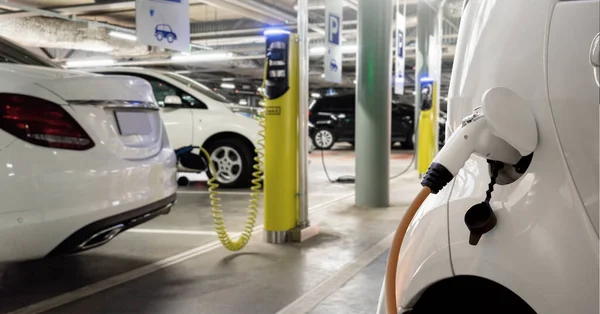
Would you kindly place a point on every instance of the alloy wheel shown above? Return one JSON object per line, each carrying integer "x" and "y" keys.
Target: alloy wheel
{"x": 228, "y": 164}
{"x": 324, "y": 138}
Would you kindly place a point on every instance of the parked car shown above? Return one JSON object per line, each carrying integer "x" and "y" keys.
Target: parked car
{"x": 541, "y": 255}
{"x": 83, "y": 157}
{"x": 195, "y": 114}
{"x": 332, "y": 120}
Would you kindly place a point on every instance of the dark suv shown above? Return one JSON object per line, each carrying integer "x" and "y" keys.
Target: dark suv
{"x": 332, "y": 119}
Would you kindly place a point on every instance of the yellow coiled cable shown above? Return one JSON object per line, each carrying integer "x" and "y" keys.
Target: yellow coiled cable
{"x": 215, "y": 200}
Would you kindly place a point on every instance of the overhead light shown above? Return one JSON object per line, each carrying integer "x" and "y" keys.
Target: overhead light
{"x": 260, "y": 89}
{"x": 315, "y": 95}
{"x": 199, "y": 57}
{"x": 320, "y": 50}
{"x": 275, "y": 31}
{"x": 227, "y": 86}
{"x": 227, "y": 79}
{"x": 323, "y": 75}
{"x": 125, "y": 36}
{"x": 354, "y": 82}
{"x": 243, "y": 102}
{"x": 89, "y": 63}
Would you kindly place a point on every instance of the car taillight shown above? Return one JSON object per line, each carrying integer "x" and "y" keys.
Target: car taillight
{"x": 41, "y": 122}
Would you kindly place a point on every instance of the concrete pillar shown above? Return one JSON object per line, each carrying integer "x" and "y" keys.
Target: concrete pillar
{"x": 373, "y": 103}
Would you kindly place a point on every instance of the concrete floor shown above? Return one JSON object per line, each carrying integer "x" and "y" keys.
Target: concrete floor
{"x": 175, "y": 264}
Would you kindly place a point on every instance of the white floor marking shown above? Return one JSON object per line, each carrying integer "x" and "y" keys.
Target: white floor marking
{"x": 173, "y": 231}
{"x": 201, "y": 192}
{"x": 100, "y": 286}
{"x": 313, "y": 297}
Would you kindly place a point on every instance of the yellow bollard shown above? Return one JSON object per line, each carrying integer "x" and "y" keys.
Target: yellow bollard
{"x": 427, "y": 135}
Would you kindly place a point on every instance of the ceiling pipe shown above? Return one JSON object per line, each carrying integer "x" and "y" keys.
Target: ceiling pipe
{"x": 28, "y": 11}
{"x": 49, "y": 13}
{"x": 259, "y": 7}
{"x": 244, "y": 11}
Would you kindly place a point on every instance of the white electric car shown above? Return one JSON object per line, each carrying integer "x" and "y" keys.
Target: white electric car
{"x": 542, "y": 255}
{"x": 194, "y": 114}
{"x": 83, "y": 157}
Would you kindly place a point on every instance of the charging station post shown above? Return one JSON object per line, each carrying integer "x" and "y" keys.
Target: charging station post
{"x": 284, "y": 220}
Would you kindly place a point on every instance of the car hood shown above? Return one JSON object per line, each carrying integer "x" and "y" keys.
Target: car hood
{"x": 75, "y": 85}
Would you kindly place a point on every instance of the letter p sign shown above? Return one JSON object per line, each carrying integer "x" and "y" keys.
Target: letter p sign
{"x": 333, "y": 31}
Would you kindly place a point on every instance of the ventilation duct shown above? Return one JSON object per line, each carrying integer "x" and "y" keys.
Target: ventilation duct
{"x": 50, "y": 32}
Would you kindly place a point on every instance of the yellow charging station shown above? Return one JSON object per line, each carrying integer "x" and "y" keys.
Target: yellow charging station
{"x": 427, "y": 126}
{"x": 281, "y": 92}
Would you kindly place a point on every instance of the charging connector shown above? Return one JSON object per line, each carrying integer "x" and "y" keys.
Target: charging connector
{"x": 474, "y": 136}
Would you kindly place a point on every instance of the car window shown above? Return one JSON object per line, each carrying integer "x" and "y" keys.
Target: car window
{"x": 200, "y": 88}
{"x": 163, "y": 89}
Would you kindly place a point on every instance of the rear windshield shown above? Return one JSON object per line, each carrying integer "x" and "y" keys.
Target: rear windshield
{"x": 12, "y": 53}
{"x": 204, "y": 90}
{"x": 335, "y": 103}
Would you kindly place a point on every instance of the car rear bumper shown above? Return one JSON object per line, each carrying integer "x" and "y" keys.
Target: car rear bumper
{"x": 104, "y": 230}
{"x": 49, "y": 194}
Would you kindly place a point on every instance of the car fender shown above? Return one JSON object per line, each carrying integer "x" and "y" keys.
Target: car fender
{"x": 424, "y": 257}
{"x": 216, "y": 123}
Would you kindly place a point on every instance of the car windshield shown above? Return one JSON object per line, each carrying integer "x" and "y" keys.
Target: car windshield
{"x": 198, "y": 87}
{"x": 12, "y": 53}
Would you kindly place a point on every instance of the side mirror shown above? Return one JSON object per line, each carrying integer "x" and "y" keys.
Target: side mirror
{"x": 173, "y": 101}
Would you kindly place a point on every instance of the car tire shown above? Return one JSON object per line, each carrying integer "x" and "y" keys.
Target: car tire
{"x": 409, "y": 142}
{"x": 159, "y": 36}
{"x": 237, "y": 160}
{"x": 323, "y": 139}
{"x": 183, "y": 181}
{"x": 170, "y": 38}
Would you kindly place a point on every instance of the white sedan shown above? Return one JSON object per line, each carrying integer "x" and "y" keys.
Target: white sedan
{"x": 83, "y": 157}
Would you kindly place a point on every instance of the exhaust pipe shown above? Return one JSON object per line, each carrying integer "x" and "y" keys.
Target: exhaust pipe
{"x": 101, "y": 237}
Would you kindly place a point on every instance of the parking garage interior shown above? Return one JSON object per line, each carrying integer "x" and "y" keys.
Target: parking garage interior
{"x": 125, "y": 157}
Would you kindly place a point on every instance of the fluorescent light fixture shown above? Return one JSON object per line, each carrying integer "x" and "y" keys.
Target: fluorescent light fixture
{"x": 227, "y": 79}
{"x": 275, "y": 31}
{"x": 89, "y": 63}
{"x": 243, "y": 102}
{"x": 349, "y": 48}
{"x": 199, "y": 57}
{"x": 320, "y": 50}
{"x": 227, "y": 85}
{"x": 125, "y": 36}
{"x": 315, "y": 95}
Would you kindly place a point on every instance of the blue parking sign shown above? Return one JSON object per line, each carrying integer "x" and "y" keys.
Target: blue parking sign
{"x": 334, "y": 10}
{"x": 333, "y": 29}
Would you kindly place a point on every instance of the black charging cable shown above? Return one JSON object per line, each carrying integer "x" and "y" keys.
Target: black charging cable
{"x": 352, "y": 179}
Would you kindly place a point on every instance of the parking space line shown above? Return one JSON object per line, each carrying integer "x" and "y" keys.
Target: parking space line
{"x": 201, "y": 192}
{"x": 174, "y": 231}
{"x": 313, "y": 297}
{"x": 105, "y": 284}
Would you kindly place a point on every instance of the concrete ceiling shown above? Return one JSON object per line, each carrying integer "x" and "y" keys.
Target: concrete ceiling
{"x": 231, "y": 25}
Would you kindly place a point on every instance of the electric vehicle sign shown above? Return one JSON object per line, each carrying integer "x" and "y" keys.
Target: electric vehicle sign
{"x": 163, "y": 23}
{"x": 333, "y": 44}
{"x": 400, "y": 55}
